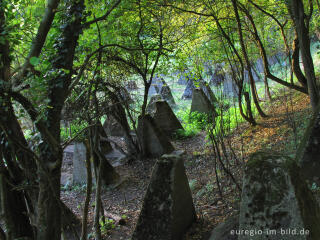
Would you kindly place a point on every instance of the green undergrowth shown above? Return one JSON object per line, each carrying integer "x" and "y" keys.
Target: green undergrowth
{"x": 192, "y": 123}
{"x": 74, "y": 129}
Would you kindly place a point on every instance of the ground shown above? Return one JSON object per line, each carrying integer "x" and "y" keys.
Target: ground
{"x": 281, "y": 131}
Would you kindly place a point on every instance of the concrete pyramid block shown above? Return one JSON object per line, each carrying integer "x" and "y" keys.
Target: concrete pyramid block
{"x": 276, "y": 202}
{"x": 154, "y": 141}
{"x": 201, "y": 103}
{"x": 167, "y": 209}
{"x": 166, "y": 119}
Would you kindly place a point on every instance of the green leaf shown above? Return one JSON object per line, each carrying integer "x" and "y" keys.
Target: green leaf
{"x": 66, "y": 71}
{"x": 34, "y": 61}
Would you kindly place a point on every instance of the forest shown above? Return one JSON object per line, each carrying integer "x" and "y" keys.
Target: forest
{"x": 159, "y": 119}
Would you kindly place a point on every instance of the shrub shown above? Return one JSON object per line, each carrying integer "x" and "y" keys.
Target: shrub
{"x": 76, "y": 128}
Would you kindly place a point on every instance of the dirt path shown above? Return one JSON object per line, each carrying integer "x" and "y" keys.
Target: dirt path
{"x": 125, "y": 200}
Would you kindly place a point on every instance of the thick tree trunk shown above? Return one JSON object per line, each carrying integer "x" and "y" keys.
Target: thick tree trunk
{"x": 49, "y": 208}
{"x": 295, "y": 62}
{"x": 297, "y": 13}
{"x": 49, "y": 167}
{"x": 14, "y": 210}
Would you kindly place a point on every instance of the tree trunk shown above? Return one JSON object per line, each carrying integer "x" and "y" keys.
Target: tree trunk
{"x": 97, "y": 229}
{"x": 263, "y": 52}
{"x": 267, "y": 92}
{"x": 249, "y": 118}
{"x": 49, "y": 167}
{"x": 244, "y": 52}
{"x": 297, "y": 13}
{"x": 295, "y": 61}
{"x": 49, "y": 209}
{"x": 13, "y": 208}
{"x": 88, "y": 193}
{"x": 2, "y": 234}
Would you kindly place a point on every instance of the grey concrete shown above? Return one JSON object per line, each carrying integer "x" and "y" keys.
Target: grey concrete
{"x": 112, "y": 127}
{"x": 167, "y": 209}
{"x": 275, "y": 197}
{"x": 166, "y": 119}
{"x": 79, "y": 175}
{"x": 165, "y": 93}
{"x": 225, "y": 230}
{"x": 308, "y": 153}
{"x": 187, "y": 94}
{"x": 151, "y": 107}
{"x": 155, "y": 142}
{"x": 200, "y": 103}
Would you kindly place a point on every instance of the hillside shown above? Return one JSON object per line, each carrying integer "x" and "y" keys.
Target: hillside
{"x": 159, "y": 120}
{"x": 281, "y": 132}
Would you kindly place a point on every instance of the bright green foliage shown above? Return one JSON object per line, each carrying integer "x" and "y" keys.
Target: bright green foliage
{"x": 75, "y": 129}
{"x": 192, "y": 123}
{"x": 107, "y": 225}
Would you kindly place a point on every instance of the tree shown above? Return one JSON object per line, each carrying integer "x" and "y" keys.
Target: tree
{"x": 301, "y": 24}
{"x": 37, "y": 170}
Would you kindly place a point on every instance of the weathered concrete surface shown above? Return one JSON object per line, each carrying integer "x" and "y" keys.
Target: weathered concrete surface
{"x": 154, "y": 141}
{"x": 229, "y": 87}
{"x": 308, "y": 153}
{"x": 200, "y": 103}
{"x": 167, "y": 209}
{"x": 156, "y": 84}
{"x": 112, "y": 127}
{"x": 131, "y": 85}
{"x": 165, "y": 93}
{"x": 116, "y": 158}
{"x": 218, "y": 75}
{"x": 65, "y": 179}
{"x": 79, "y": 174}
{"x": 104, "y": 145}
{"x": 166, "y": 119}
{"x": 209, "y": 93}
{"x": 224, "y": 230}
{"x": 274, "y": 197}
{"x": 151, "y": 107}
{"x": 187, "y": 94}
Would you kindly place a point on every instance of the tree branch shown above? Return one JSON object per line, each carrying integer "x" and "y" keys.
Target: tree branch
{"x": 33, "y": 113}
{"x": 40, "y": 38}
{"x": 87, "y": 24}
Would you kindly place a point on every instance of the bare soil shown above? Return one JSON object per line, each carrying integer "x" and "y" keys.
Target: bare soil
{"x": 281, "y": 131}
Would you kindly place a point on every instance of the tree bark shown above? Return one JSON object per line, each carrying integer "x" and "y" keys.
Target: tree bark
{"x": 2, "y": 234}
{"x": 295, "y": 62}
{"x": 49, "y": 167}
{"x": 88, "y": 193}
{"x": 244, "y": 52}
{"x": 263, "y": 54}
{"x": 97, "y": 229}
{"x": 296, "y": 9}
{"x": 13, "y": 208}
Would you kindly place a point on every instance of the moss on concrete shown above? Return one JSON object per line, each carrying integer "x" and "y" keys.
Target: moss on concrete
{"x": 275, "y": 196}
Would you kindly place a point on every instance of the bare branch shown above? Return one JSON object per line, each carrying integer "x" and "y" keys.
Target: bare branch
{"x": 87, "y": 24}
